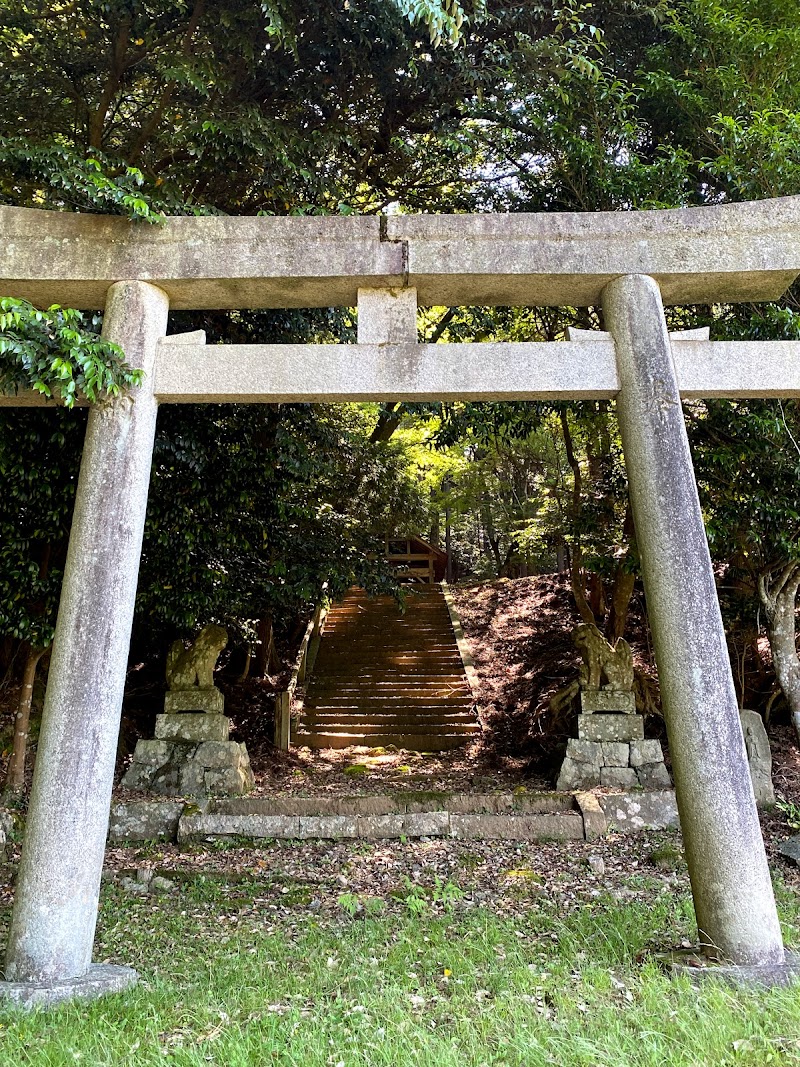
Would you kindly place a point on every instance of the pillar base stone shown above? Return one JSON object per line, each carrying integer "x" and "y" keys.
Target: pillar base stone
{"x": 699, "y": 968}
{"x": 100, "y": 980}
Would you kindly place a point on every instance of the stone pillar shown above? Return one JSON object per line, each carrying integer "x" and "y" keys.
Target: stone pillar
{"x": 55, "y": 910}
{"x": 731, "y": 885}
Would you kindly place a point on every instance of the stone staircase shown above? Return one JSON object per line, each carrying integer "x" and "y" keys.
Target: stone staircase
{"x": 383, "y": 677}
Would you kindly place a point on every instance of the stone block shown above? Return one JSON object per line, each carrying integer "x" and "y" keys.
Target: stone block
{"x": 191, "y": 779}
{"x": 653, "y": 776}
{"x": 595, "y": 824}
{"x": 425, "y": 800}
{"x": 138, "y": 776}
{"x": 541, "y": 803}
{"x": 759, "y": 757}
{"x": 615, "y": 753}
{"x": 790, "y": 849}
{"x": 655, "y": 810}
{"x": 152, "y": 753}
{"x": 380, "y": 826}
{"x": 190, "y": 727}
{"x": 585, "y": 752}
{"x": 608, "y": 700}
{"x": 574, "y": 775}
{"x": 218, "y": 755}
{"x": 99, "y": 980}
{"x": 210, "y": 701}
{"x": 230, "y": 780}
{"x": 328, "y": 826}
{"x": 426, "y": 823}
{"x": 191, "y": 827}
{"x": 479, "y": 803}
{"x": 554, "y": 827}
{"x": 610, "y": 727}
{"x": 644, "y": 752}
{"x": 377, "y": 805}
{"x": 144, "y": 820}
{"x": 622, "y": 777}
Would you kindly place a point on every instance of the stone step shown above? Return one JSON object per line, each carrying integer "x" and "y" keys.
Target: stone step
{"x": 437, "y": 742}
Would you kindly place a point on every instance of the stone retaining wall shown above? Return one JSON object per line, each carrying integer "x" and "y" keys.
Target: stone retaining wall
{"x": 510, "y": 817}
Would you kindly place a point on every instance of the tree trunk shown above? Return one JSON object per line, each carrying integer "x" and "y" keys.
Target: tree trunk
{"x": 15, "y": 774}
{"x": 266, "y": 659}
{"x": 778, "y": 599}
{"x": 621, "y": 593}
{"x": 623, "y": 586}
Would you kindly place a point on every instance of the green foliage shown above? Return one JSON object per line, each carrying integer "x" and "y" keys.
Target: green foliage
{"x": 53, "y": 353}
{"x": 39, "y": 458}
{"x": 69, "y": 179}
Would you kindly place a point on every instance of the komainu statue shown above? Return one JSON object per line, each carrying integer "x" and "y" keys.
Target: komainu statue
{"x": 602, "y": 660}
{"x": 193, "y": 667}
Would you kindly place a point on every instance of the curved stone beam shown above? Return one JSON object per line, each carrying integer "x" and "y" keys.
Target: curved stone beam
{"x": 731, "y": 252}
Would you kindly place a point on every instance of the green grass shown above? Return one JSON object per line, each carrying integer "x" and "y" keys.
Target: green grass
{"x": 228, "y": 978}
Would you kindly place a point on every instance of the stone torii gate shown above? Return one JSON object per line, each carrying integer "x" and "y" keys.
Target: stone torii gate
{"x": 630, "y": 263}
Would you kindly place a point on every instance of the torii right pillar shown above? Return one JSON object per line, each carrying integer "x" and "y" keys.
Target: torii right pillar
{"x": 733, "y": 898}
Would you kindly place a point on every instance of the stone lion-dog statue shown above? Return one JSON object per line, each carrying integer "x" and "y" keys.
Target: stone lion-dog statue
{"x": 193, "y": 667}
{"x": 602, "y": 660}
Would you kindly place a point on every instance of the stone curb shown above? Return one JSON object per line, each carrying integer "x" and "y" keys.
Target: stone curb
{"x": 513, "y": 817}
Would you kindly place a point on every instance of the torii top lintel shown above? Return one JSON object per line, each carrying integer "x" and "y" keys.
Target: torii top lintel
{"x": 722, "y": 253}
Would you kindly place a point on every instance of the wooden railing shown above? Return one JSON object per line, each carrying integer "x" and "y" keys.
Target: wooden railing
{"x": 303, "y": 665}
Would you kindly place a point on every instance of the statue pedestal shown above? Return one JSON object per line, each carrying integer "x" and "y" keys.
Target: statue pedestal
{"x": 610, "y": 750}
{"x": 191, "y": 753}
{"x": 208, "y": 700}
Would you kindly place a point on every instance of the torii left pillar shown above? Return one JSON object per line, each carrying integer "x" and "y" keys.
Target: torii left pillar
{"x": 55, "y": 909}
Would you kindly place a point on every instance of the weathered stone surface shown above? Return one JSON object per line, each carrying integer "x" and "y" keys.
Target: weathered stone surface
{"x": 595, "y": 823}
{"x": 192, "y": 667}
{"x": 540, "y": 803}
{"x": 426, "y": 823}
{"x": 218, "y": 755}
{"x": 574, "y": 775}
{"x": 516, "y": 259}
{"x": 643, "y": 752}
{"x": 58, "y": 884}
{"x": 379, "y": 826}
{"x": 144, "y": 820}
{"x": 585, "y": 752}
{"x": 605, "y": 666}
{"x": 790, "y": 848}
{"x": 368, "y": 805}
{"x": 98, "y": 981}
{"x": 553, "y": 827}
{"x": 759, "y": 757}
{"x": 653, "y": 776}
{"x": 333, "y": 826}
{"x": 387, "y": 316}
{"x": 192, "y": 727}
{"x": 610, "y": 727}
{"x": 615, "y": 754}
{"x": 208, "y": 700}
{"x": 274, "y": 806}
{"x": 152, "y": 753}
{"x": 191, "y": 779}
{"x": 424, "y": 800}
{"x": 731, "y": 884}
{"x": 622, "y": 777}
{"x": 641, "y": 810}
{"x": 610, "y": 701}
{"x": 201, "y": 825}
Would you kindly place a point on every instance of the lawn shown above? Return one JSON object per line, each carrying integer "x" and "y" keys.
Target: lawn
{"x": 352, "y": 954}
